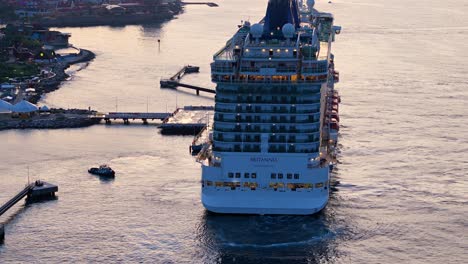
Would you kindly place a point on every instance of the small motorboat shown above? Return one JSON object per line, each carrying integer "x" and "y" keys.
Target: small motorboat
{"x": 103, "y": 170}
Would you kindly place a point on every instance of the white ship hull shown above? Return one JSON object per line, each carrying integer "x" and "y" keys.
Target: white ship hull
{"x": 299, "y": 191}
{"x": 265, "y": 202}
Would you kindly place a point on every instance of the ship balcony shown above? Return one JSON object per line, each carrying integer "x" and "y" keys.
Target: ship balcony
{"x": 251, "y": 138}
{"x": 222, "y": 70}
{"x": 308, "y": 109}
{"x": 293, "y": 148}
{"x": 233, "y": 147}
{"x": 309, "y": 136}
{"x": 260, "y": 117}
{"x": 262, "y": 128}
{"x": 260, "y": 79}
{"x": 275, "y": 101}
{"x": 268, "y": 70}
{"x": 273, "y": 138}
{"x": 272, "y": 90}
{"x": 258, "y": 120}
{"x": 314, "y": 68}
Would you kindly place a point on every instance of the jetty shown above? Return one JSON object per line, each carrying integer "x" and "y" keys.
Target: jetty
{"x": 210, "y": 4}
{"x": 174, "y": 81}
{"x": 36, "y": 191}
{"x": 189, "y": 120}
{"x": 174, "y": 84}
{"x": 126, "y": 117}
{"x": 176, "y": 77}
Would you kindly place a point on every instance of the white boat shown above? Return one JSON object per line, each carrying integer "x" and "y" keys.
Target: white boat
{"x": 273, "y": 133}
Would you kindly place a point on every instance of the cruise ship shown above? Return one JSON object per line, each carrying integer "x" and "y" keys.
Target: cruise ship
{"x": 275, "y": 128}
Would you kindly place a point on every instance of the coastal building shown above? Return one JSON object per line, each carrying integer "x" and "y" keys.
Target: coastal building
{"x": 24, "y": 109}
{"x": 5, "y": 106}
{"x": 51, "y": 37}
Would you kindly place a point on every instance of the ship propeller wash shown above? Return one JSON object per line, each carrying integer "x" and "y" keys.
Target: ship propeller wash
{"x": 276, "y": 120}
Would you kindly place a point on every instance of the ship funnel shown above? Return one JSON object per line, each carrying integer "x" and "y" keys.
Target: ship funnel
{"x": 279, "y": 13}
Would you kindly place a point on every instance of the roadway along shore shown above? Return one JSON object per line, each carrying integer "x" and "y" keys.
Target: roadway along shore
{"x": 53, "y": 83}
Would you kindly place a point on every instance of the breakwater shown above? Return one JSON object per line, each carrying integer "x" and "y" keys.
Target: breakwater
{"x": 53, "y": 121}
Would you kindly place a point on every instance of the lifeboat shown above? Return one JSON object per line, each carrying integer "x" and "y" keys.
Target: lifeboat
{"x": 334, "y": 124}
{"x": 334, "y": 115}
{"x": 336, "y": 76}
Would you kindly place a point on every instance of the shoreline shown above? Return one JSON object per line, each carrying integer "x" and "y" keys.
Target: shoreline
{"x": 53, "y": 84}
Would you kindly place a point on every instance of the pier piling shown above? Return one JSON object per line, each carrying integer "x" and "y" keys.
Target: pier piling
{"x": 2, "y": 233}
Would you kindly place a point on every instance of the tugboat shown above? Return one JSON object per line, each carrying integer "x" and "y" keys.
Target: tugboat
{"x": 103, "y": 170}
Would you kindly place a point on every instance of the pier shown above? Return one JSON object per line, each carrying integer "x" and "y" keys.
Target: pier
{"x": 210, "y": 4}
{"x": 174, "y": 81}
{"x": 189, "y": 120}
{"x": 126, "y": 117}
{"x": 174, "y": 84}
{"x": 165, "y": 83}
{"x": 33, "y": 192}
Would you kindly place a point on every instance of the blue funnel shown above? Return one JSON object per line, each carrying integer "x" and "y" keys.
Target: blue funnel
{"x": 280, "y": 12}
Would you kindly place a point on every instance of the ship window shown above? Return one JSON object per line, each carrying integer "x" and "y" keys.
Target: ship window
{"x": 319, "y": 185}
{"x": 289, "y": 175}
{"x": 296, "y": 176}
{"x": 219, "y": 184}
{"x": 246, "y": 175}
{"x": 254, "y": 175}
{"x": 231, "y": 175}
{"x": 273, "y": 175}
{"x": 209, "y": 183}
{"x": 238, "y": 175}
{"x": 280, "y": 175}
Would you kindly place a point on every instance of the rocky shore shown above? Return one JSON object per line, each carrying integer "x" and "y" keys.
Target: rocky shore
{"x": 66, "y": 119}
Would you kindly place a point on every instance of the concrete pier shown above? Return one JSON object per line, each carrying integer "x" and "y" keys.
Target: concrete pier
{"x": 36, "y": 191}
{"x": 42, "y": 190}
{"x": 189, "y": 120}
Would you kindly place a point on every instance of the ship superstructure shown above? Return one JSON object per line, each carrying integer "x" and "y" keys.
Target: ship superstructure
{"x": 276, "y": 115}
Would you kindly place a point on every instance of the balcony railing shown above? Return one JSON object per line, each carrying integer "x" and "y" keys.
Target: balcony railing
{"x": 319, "y": 79}
{"x": 289, "y": 100}
{"x": 270, "y": 90}
{"x": 264, "y": 130}
{"x": 265, "y": 111}
{"x": 266, "y": 121}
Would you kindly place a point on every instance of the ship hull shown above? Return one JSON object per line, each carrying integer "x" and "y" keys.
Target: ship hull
{"x": 263, "y": 195}
{"x": 240, "y": 204}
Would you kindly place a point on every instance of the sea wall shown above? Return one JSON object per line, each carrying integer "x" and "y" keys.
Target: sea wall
{"x": 52, "y": 122}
